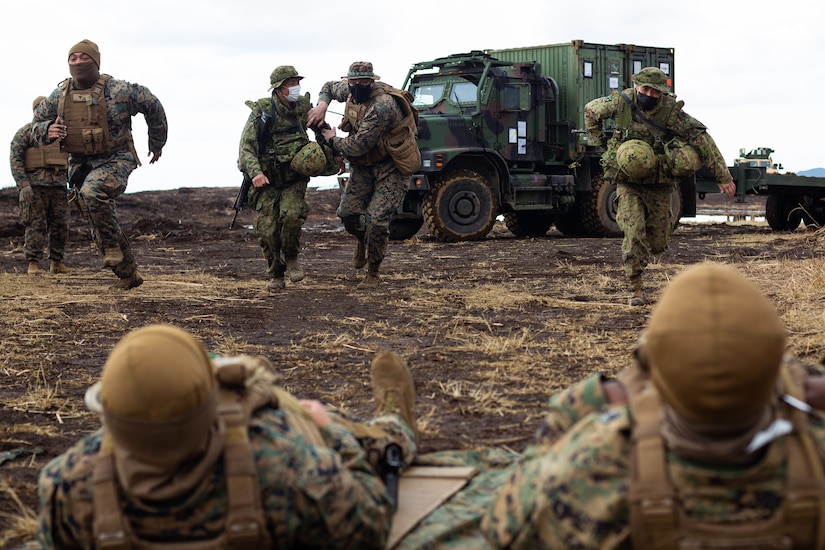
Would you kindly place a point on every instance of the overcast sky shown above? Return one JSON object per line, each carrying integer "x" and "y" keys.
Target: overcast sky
{"x": 751, "y": 71}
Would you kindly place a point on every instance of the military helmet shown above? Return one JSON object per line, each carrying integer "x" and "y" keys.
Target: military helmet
{"x": 683, "y": 161}
{"x": 714, "y": 345}
{"x": 636, "y": 159}
{"x": 310, "y": 160}
{"x": 652, "y": 77}
{"x": 280, "y": 74}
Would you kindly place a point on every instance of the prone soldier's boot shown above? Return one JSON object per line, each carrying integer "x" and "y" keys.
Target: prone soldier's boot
{"x": 112, "y": 256}
{"x": 637, "y": 296}
{"x": 128, "y": 283}
{"x": 371, "y": 280}
{"x": 34, "y": 267}
{"x": 59, "y": 267}
{"x": 359, "y": 260}
{"x": 293, "y": 270}
{"x": 393, "y": 388}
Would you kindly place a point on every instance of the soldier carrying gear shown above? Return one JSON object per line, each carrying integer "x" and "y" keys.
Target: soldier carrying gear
{"x": 636, "y": 159}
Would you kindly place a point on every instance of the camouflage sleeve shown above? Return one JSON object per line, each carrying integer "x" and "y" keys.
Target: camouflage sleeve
{"x": 595, "y": 113}
{"x": 44, "y": 116}
{"x": 248, "y": 162}
{"x": 569, "y": 406}
{"x": 337, "y": 90}
{"x": 144, "y": 101}
{"x": 382, "y": 116}
{"x": 704, "y": 144}
{"x": 21, "y": 141}
{"x": 573, "y": 495}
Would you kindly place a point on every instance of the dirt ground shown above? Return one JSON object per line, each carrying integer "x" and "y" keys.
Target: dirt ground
{"x": 490, "y": 328}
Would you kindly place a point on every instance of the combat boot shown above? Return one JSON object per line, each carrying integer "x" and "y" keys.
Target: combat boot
{"x": 360, "y": 258}
{"x": 393, "y": 388}
{"x": 34, "y": 267}
{"x": 293, "y": 270}
{"x": 276, "y": 285}
{"x": 637, "y": 295}
{"x": 128, "y": 283}
{"x": 59, "y": 267}
{"x": 112, "y": 256}
{"x": 371, "y": 280}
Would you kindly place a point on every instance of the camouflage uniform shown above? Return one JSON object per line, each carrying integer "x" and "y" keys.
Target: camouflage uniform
{"x": 313, "y": 497}
{"x": 374, "y": 192}
{"x": 280, "y": 207}
{"x": 644, "y": 207}
{"x": 110, "y": 172}
{"x": 47, "y": 217}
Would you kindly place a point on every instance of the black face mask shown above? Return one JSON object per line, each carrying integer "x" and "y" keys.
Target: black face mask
{"x": 645, "y": 101}
{"x": 360, "y": 92}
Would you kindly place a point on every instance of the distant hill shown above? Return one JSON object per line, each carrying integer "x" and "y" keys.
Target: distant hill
{"x": 813, "y": 173}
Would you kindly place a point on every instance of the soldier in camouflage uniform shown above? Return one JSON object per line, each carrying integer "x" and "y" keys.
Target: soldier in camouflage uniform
{"x": 714, "y": 414}
{"x": 644, "y": 200}
{"x": 92, "y": 115}
{"x": 215, "y": 452}
{"x": 41, "y": 179}
{"x": 376, "y": 188}
{"x": 278, "y": 192}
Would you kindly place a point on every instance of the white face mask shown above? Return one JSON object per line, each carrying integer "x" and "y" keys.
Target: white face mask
{"x": 294, "y": 93}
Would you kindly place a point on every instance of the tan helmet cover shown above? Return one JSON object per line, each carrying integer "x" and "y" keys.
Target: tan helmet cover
{"x": 714, "y": 345}
{"x": 310, "y": 160}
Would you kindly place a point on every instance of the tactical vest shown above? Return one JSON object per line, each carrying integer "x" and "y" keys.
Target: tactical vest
{"x": 46, "y": 156}
{"x": 658, "y": 521}
{"x": 400, "y": 143}
{"x": 241, "y": 393}
{"x": 84, "y": 114}
{"x": 281, "y": 135}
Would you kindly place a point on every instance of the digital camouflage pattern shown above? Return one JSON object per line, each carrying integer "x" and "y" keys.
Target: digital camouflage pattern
{"x": 313, "y": 497}
{"x": 46, "y": 217}
{"x": 374, "y": 192}
{"x": 280, "y": 207}
{"x": 644, "y": 216}
{"x": 110, "y": 172}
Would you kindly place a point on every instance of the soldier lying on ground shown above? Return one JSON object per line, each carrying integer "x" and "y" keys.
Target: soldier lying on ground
{"x": 194, "y": 449}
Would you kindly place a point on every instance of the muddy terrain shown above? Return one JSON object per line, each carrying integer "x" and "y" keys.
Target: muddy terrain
{"x": 490, "y": 328}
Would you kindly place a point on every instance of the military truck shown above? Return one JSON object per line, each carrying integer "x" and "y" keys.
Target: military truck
{"x": 501, "y": 134}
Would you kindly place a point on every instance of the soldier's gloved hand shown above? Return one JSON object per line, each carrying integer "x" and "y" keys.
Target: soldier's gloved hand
{"x": 26, "y": 195}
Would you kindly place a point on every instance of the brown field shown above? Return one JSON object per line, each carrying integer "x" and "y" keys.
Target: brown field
{"x": 490, "y": 328}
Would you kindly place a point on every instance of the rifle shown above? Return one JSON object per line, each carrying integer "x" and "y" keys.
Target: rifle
{"x": 240, "y": 200}
{"x": 390, "y": 465}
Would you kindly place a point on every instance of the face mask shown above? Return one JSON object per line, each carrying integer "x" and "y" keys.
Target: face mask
{"x": 360, "y": 92}
{"x": 294, "y": 93}
{"x": 84, "y": 74}
{"x": 646, "y": 102}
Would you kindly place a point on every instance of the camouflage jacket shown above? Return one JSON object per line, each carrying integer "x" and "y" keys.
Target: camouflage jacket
{"x": 313, "y": 497}
{"x": 123, "y": 101}
{"x": 288, "y": 136}
{"x": 382, "y": 115}
{"x": 680, "y": 123}
{"x": 50, "y": 177}
{"x": 573, "y": 491}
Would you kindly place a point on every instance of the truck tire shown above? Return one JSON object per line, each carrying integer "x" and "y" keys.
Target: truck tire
{"x": 402, "y": 229}
{"x": 782, "y": 212}
{"x": 461, "y": 207}
{"x": 528, "y": 224}
{"x": 599, "y": 211}
{"x": 570, "y": 223}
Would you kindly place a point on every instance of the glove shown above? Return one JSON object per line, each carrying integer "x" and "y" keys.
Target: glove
{"x": 26, "y": 195}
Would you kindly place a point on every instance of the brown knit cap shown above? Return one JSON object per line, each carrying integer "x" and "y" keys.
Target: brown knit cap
{"x": 714, "y": 344}
{"x": 89, "y": 48}
{"x": 37, "y": 101}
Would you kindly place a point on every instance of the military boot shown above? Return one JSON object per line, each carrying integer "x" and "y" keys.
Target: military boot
{"x": 637, "y": 296}
{"x": 34, "y": 267}
{"x": 128, "y": 283}
{"x": 276, "y": 285}
{"x": 293, "y": 270}
{"x": 393, "y": 388}
{"x": 59, "y": 267}
{"x": 112, "y": 256}
{"x": 359, "y": 260}
{"x": 371, "y": 280}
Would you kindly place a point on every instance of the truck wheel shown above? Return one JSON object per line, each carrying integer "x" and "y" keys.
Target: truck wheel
{"x": 570, "y": 223}
{"x": 462, "y": 207}
{"x": 402, "y": 229}
{"x": 782, "y": 212}
{"x": 598, "y": 211}
{"x": 528, "y": 224}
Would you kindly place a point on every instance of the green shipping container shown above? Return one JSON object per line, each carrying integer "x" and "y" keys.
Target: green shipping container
{"x": 585, "y": 71}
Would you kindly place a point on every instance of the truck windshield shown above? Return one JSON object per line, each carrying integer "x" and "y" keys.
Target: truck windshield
{"x": 429, "y": 95}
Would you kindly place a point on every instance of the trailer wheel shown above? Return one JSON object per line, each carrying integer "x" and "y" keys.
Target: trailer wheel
{"x": 599, "y": 211}
{"x": 402, "y": 229}
{"x": 528, "y": 224}
{"x": 782, "y": 212}
{"x": 462, "y": 207}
